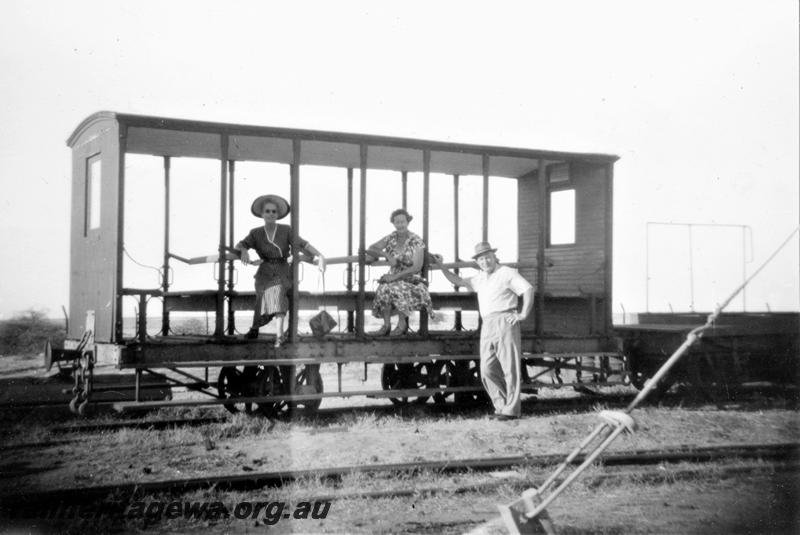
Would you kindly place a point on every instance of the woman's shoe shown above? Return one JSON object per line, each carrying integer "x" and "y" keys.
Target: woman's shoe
{"x": 252, "y": 334}
{"x": 279, "y": 340}
{"x": 383, "y": 331}
{"x": 400, "y": 331}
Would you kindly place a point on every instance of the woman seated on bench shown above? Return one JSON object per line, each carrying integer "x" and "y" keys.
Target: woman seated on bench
{"x": 272, "y": 242}
{"x": 402, "y": 290}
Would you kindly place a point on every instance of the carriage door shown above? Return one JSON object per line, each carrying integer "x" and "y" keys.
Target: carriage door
{"x": 93, "y": 243}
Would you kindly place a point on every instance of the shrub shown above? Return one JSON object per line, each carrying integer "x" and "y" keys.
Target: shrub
{"x": 189, "y": 326}
{"x": 26, "y": 333}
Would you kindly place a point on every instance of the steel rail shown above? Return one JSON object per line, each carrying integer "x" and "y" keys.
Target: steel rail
{"x": 135, "y": 424}
{"x": 320, "y": 415}
{"x": 251, "y": 481}
{"x": 640, "y": 476}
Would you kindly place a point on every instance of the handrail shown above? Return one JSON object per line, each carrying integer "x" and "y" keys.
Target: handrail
{"x": 352, "y": 259}
{"x": 444, "y": 265}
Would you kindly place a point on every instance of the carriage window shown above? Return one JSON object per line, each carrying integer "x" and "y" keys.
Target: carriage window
{"x": 93, "y": 193}
{"x": 562, "y": 217}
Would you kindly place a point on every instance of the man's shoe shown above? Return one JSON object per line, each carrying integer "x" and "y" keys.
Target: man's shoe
{"x": 505, "y": 417}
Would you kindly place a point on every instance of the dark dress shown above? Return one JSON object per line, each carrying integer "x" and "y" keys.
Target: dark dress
{"x": 273, "y": 277}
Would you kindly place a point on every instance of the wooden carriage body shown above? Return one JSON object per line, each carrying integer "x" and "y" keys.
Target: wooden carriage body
{"x": 572, "y": 278}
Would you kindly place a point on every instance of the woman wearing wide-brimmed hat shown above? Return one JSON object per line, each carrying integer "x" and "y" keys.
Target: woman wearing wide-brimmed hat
{"x": 272, "y": 242}
{"x": 402, "y": 290}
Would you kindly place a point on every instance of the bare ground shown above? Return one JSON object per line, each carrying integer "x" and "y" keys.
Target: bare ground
{"x": 757, "y": 500}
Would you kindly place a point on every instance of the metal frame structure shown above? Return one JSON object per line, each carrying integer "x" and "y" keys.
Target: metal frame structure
{"x": 746, "y": 235}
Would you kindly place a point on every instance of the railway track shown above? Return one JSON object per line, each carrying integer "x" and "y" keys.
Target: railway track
{"x": 719, "y": 394}
{"x": 135, "y": 424}
{"x": 533, "y": 406}
{"x": 779, "y": 453}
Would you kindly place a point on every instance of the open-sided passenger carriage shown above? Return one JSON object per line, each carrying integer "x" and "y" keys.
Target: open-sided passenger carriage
{"x": 568, "y": 339}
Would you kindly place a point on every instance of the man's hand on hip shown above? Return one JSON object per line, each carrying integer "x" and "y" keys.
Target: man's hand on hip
{"x": 516, "y": 317}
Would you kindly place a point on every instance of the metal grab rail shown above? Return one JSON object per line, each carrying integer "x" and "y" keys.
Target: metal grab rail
{"x": 230, "y": 254}
{"x": 444, "y": 265}
{"x": 353, "y": 259}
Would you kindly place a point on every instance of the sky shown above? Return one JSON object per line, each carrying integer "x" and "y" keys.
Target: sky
{"x": 698, "y": 99}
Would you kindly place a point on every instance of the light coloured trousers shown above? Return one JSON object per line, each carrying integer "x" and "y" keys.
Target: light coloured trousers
{"x": 501, "y": 350}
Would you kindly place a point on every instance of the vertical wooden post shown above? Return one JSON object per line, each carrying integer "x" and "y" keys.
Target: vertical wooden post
{"x": 137, "y": 384}
{"x": 362, "y": 231}
{"x": 691, "y": 270}
{"x": 165, "y": 267}
{"x": 404, "y": 182}
{"x": 426, "y": 187}
{"x": 541, "y": 176}
{"x": 485, "y": 219}
{"x": 607, "y": 301}
{"x": 744, "y": 263}
{"x": 647, "y": 267}
{"x": 349, "y": 286}
{"x": 231, "y": 177}
{"x": 458, "y": 325}
{"x": 294, "y": 188}
{"x": 123, "y": 144}
{"x": 219, "y": 319}
{"x": 141, "y": 326}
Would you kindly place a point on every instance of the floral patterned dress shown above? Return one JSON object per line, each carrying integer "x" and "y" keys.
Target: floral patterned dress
{"x": 409, "y": 293}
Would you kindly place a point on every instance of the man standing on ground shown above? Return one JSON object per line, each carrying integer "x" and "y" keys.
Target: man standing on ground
{"x": 498, "y": 288}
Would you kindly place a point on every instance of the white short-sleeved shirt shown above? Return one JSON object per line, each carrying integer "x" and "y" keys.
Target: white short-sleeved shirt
{"x": 498, "y": 291}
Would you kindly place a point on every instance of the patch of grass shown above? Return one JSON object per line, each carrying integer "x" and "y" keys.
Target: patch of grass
{"x": 26, "y": 333}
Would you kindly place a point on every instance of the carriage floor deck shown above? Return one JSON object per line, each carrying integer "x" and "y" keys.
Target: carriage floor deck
{"x": 192, "y": 350}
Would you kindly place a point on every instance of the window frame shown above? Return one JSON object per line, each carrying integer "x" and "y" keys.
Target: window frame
{"x": 93, "y": 199}
{"x": 555, "y": 187}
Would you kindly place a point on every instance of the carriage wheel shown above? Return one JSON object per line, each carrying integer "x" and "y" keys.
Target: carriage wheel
{"x": 467, "y": 373}
{"x": 394, "y": 377}
{"x": 268, "y": 383}
{"x": 419, "y": 375}
{"x": 233, "y": 383}
{"x": 639, "y": 381}
{"x": 423, "y": 375}
{"x": 307, "y": 381}
{"x": 642, "y": 366}
{"x": 437, "y": 377}
{"x": 640, "y": 374}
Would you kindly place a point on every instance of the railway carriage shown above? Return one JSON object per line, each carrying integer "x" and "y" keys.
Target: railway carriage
{"x": 742, "y": 348}
{"x": 564, "y": 243}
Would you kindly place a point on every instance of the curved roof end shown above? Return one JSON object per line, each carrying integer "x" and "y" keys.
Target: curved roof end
{"x": 96, "y": 117}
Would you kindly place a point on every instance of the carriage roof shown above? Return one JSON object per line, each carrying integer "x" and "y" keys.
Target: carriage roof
{"x": 179, "y": 137}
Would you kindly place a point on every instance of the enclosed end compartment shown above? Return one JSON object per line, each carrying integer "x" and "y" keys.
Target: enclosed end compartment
{"x": 565, "y": 229}
{"x": 96, "y": 223}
